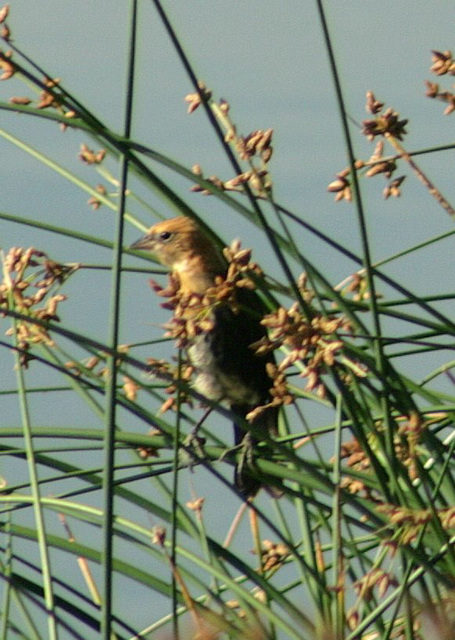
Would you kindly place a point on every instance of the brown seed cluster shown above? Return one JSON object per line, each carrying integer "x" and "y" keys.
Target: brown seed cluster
{"x": 406, "y": 523}
{"x": 255, "y": 145}
{"x": 130, "y": 388}
{"x": 168, "y": 372}
{"x": 95, "y": 202}
{"x": 357, "y": 286}
{"x": 5, "y": 31}
{"x": 387, "y": 125}
{"x": 29, "y": 277}
{"x": 95, "y": 367}
{"x": 373, "y": 105}
{"x": 7, "y": 65}
{"x": 49, "y": 97}
{"x": 146, "y": 452}
{"x": 273, "y": 555}
{"x": 197, "y": 98}
{"x": 377, "y": 579}
{"x": 258, "y": 181}
{"x": 433, "y": 91}
{"x": 442, "y": 64}
{"x": 402, "y": 516}
{"x": 407, "y": 450}
{"x": 88, "y": 156}
{"x": 312, "y": 342}
{"x": 379, "y": 164}
{"x": 279, "y": 392}
{"x": 5, "y": 57}
{"x": 392, "y": 190}
{"x": 341, "y": 187}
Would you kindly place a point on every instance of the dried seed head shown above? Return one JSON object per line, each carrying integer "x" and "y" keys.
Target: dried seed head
{"x": 20, "y": 100}
{"x": 442, "y": 63}
{"x": 196, "y": 505}
{"x": 130, "y": 387}
{"x": 372, "y": 104}
{"x": 159, "y": 535}
{"x": 341, "y": 187}
{"x": 449, "y": 98}
{"x": 195, "y": 99}
{"x": 387, "y": 168}
{"x": 4, "y": 13}
{"x": 234, "y": 183}
{"x": 432, "y": 89}
{"x": 205, "y": 192}
{"x": 29, "y": 288}
{"x": 88, "y": 156}
{"x": 101, "y": 189}
{"x": 386, "y": 124}
{"x": 224, "y": 107}
{"x": 95, "y": 203}
{"x": 9, "y": 68}
{"x": 393, "y": 188}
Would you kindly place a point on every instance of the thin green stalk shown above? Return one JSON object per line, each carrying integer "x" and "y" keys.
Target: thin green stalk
{"x": 111, "y": 389}
{"x": 76, "y": 384}
{"x": 44, "y": 226}
{"x": 381, "y": 362}
{"x": 6, "y": 572}
{"x": 406, "y": 293}
{"x": 18, "y": 601}
{"x": 338, "y": 610}
{"x": 175, "y": 509}
{"x": 316, "y": 586}
{"x": 55, "y": 166}
{"x": 37, "y": 506}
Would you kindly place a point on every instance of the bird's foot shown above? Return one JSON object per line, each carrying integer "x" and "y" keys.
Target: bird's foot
{"x": 227, "y": 452}
{"x": 195, "y": 442}
{"x": 246, "y": 473}
{"x": 246, "y": 460}
{"x": 192, "y": 449}
{"x": 244, "y": 478}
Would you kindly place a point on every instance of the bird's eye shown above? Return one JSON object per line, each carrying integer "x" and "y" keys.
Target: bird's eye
{"x": 165, "y": 236}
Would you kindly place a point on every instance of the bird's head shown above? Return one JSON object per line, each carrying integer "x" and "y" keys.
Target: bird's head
{"x": 182, "y": 246}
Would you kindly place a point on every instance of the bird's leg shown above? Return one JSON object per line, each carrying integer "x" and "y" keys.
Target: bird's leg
{"x": 197, "y": 426}
{"x": 246, "y": 456}
{"x": 244, "y": 476}
{"x": 193, "y": 441}
{"x": 234, "y": 449}
{"x": 246, "y": 484}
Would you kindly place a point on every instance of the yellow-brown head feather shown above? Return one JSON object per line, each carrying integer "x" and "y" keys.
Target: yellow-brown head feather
{"x": 182, "y": 246}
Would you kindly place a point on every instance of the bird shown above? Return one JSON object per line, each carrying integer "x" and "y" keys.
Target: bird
{"x": 226, "y": 367}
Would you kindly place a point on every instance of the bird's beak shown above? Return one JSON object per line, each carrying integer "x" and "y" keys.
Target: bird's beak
{"x": 145, "y": 243}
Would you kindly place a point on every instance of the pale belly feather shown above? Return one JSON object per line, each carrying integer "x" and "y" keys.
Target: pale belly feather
{"x": 213, "y": 383}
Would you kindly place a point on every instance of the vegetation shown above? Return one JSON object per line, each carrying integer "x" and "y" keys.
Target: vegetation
{"x": 99, "y": 536}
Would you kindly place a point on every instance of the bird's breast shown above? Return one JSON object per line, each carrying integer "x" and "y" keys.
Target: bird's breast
{"x": 215, "y": 381}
